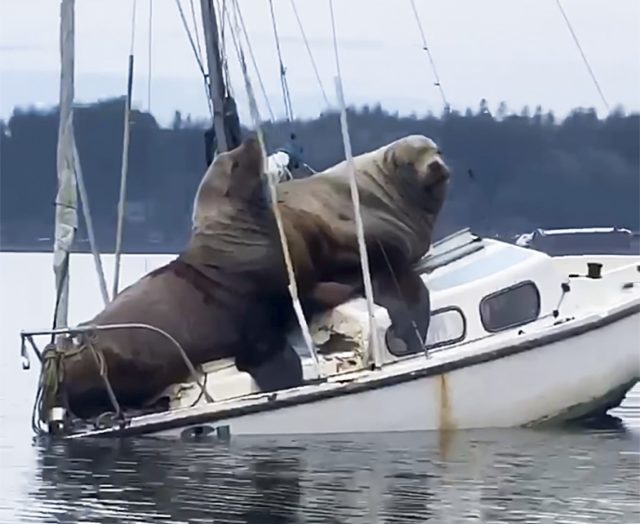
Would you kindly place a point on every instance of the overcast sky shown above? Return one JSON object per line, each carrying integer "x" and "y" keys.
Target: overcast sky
{"x": 519, "y": 51}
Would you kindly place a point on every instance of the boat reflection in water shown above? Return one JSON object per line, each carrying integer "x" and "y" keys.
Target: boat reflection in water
{"x": 486, "y": 474}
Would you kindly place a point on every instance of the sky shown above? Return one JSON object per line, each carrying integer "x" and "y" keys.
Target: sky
{"x": 517, "y": 51}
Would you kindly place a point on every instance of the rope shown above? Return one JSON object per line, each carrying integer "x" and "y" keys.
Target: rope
{"x": 194, "y": 48}
{"x": 56, "y": 307}
{"x": 86, "y": 211}
{"x": 335, "y": 40}
{"x": 133, "y": 26}
{"x": 306, "y": 44}
{"x": 584, "y": 58}
{"x": 51, "y": 376}
{"x": 238, "y": 17}
{"x": 102, "y": 369}
{"x": 51, "y": 373}
{"x": 425, "y": 47}
{"x": 355, "y": 197}
{"x": 222, "y": 9}
{"x": 149, "y": 56}
{"x": 293, "y": 290}
{"x": 283, "y": 71}
{"x": 195, "y": 29}
{"x": 125, "y": 159}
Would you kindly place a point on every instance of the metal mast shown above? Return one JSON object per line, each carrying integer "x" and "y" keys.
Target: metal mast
{"x": 214, "y": 66}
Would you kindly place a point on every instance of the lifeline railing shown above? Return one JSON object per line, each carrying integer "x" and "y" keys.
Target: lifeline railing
{"x": 27, "y": 337}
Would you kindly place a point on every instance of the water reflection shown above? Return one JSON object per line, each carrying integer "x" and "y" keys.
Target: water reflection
{"x": 509, "y": 476}
{"x": 159, "y": 481}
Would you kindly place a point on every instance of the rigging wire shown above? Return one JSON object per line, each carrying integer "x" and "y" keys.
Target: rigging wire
{"x": 335, "y": 39}
{"x": 86, "y": 211}
{"x": 133, "y": 26}
{"x": 238, "y": 16}
{"x": 425, "y": 47}
{"x": 243, "y": 65}
{"x": 584, "y": 58}
{"x": 288, "y": 108}
{"x": 306, "y": 44}
{"x": 125, "y": 159}
{"x": 205, "y": 76}
{"x": 293, "y": 290}
{"x": 195, "y": 29}
{"x": 223, "y": 47}
{"x": 355, "y": 198}
{"x": 149, "y": 56}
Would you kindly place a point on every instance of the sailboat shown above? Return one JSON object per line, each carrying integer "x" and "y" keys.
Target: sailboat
{"x": 516, "y": 338}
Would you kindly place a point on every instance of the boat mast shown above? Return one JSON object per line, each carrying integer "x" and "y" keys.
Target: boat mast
{"x": 66, "y": 217}
{"x": 215, "y": 80}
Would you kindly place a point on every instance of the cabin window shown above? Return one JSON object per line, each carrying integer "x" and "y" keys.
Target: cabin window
{"x": 446, "y": 326}
{"x": 510, "y": 307}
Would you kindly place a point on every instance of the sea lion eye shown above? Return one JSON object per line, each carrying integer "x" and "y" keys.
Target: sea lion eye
{"x": 234, "y": 164}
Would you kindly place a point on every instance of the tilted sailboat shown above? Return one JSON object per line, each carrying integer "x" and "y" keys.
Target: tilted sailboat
{"x": 516, "y": 338}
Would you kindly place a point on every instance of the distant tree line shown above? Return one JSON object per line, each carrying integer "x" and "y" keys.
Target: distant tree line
{"x": 512, "y": 171}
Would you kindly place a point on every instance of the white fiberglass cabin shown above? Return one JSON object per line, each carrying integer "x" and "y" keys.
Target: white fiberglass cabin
{"x": 516, "y": 338}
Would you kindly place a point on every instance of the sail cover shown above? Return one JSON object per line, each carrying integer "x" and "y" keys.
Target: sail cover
{"x": 66, "y": 218}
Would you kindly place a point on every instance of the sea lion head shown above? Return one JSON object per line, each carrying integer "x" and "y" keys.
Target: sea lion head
{"x": 234, "y": 179}
{"x": 237, "y": 173}
{"x": 417, "y": 162}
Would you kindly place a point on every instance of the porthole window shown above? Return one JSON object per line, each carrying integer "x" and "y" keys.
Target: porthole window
{"x": 510, "y": 307}
{"x": 446, "y": 326}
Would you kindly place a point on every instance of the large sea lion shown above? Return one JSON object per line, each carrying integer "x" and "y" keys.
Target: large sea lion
{"x": 402, "y": 187}
{"x": 224, "y": 296}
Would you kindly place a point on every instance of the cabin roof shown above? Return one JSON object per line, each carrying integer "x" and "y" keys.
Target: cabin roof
{"x": 464, "y": 257}
{"x": 496, "y": 257}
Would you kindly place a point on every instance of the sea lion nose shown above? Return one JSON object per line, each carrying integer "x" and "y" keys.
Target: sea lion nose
{"x": 438, "y": 168}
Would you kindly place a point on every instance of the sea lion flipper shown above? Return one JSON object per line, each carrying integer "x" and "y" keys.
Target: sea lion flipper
{"x": 282, "y": 370}
{"x": 407, "y": 301}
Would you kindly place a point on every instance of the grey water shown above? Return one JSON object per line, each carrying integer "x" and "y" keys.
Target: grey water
{"x": 562, "y": 475}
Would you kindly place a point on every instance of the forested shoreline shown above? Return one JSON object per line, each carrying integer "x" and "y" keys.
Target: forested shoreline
{"x": 513, "y": 171}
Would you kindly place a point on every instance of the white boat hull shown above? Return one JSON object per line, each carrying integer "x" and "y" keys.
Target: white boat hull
{"x": 567, "y": 348}
{"x": 587, "y": 368}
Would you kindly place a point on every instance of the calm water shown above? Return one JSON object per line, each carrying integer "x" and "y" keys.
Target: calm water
{"x": 563, "y": 476}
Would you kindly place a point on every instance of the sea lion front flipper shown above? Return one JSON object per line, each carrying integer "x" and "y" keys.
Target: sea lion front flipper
{"x": 407, "y": 301}
{"x": 282, "y": 371}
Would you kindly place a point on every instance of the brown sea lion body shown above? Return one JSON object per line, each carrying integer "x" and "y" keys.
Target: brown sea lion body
{"x": 402, "y": 188}
{"x": 224, "y": 296}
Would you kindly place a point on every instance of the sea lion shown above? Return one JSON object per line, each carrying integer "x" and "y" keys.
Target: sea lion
{"x": 402, "y": 187}
{"x": 224, "y": 296}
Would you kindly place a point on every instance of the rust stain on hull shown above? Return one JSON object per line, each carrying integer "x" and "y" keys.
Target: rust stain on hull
{"x": 445, "y": 424}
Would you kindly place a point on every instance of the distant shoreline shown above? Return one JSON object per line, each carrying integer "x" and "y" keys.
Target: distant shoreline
{"x": 141, "y": 250}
